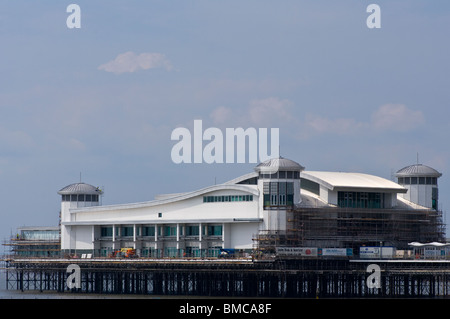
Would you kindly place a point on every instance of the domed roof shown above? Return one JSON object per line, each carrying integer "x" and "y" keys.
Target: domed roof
{"x": 278, "y": 164}
{"x": 80, "y": 188}
{"x": 418, "y": 170}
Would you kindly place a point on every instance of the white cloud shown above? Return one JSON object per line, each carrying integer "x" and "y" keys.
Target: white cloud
{"x": 15, "y": 140}
{"x": 388, "y": 117}
{"x": 221, "y": 115}
{"x": 76, "y": 145}
{"x": 131, "y": 62}
{"x": 264, "y": 111}
{"x": 259, "y": 112}
{"x": 336, "y": 126}
{"x": 396, "y": 117}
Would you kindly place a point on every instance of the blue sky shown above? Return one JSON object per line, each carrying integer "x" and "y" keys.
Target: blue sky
{"x": 103, "y": 99}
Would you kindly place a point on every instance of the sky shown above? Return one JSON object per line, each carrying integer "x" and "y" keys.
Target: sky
{"x": 99, "y": 103}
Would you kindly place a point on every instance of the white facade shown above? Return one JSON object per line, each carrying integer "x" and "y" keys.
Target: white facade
{"x": 201, "y": 222}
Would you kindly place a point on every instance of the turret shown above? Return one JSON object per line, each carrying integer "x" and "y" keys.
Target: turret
{"x": 421, "y": 181}
{"x": 75, "y": 196}
{"x": 279, "y": 184}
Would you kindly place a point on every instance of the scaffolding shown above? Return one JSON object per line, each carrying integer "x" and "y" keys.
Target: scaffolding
{"x": 352, "y": 228}
{"x": 33, "y": 248}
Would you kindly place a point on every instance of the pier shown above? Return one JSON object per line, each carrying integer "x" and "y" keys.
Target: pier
{"x": 274, "y": 278}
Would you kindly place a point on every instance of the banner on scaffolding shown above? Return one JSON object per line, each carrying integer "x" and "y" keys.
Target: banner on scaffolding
{"x": 296, "y": 251}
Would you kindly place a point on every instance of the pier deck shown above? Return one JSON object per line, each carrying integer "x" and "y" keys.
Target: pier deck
{"x": 294, "y": 278}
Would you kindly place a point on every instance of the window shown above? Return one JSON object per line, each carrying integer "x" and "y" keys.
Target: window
{"x": 360, "y": 200}
{"x": 310, "y": 186}
{"x": 159, "y": 215}
{"x": 434, "y": 198}
{"x": 215, "y": 230}
{"x": 106, "y": 231}
{"x": 192, "y": 230}
{"x": 170, "y": 231}
{"x": 148, "y": 231}
{"x": 278, "y": 194}
{"x": 127, "y": 231}
{"x": 170, "y": 252}
{"x": 227, "y": 198}
{"x": 80, "y": 198}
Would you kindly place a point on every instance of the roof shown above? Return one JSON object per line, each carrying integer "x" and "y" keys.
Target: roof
{"x": 242, "y": 178}
{"x": 418, "y": 170}
{"x": 332, "y": 180}
{"x": 168, "y": 198}
{"x": 42, "y": 228}
{"x": 278, "y": 164}
{"x": 79, "y": 188}
{"x": 433, "y": 244}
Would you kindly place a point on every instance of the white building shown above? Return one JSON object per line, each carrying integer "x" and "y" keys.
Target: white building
{"x": 229, "y": 215}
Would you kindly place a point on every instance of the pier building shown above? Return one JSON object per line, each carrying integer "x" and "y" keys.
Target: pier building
{"x": 278, "y": 204}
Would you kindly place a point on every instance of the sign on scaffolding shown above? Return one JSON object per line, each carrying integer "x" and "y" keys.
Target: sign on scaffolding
{"x": 296, "y": 251}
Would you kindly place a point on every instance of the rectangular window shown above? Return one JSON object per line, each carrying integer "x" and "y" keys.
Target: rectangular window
{"x": 227, "y": 198}
{"x": 289, "y": 200}
{"x": 282, "y": 188}
{"x": 266, "y": 188}
{"x": 148, "y": 231}
{"x": 192, "y": 230}
{"x": 215, "y": 230}
{"x": 434, "y": 198}
{"x": 127, "y": 231}
{"x": 278, "y": 194}
{"x": 360, "y": 200}
{"x": 170, "y": 231}
{"x": 422, "y": 180}
{"x": 413, "y": 180}
{"x": 282, "y": 199}
{"x": 106, "y": 231}
{"x": 274, "y": 188}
